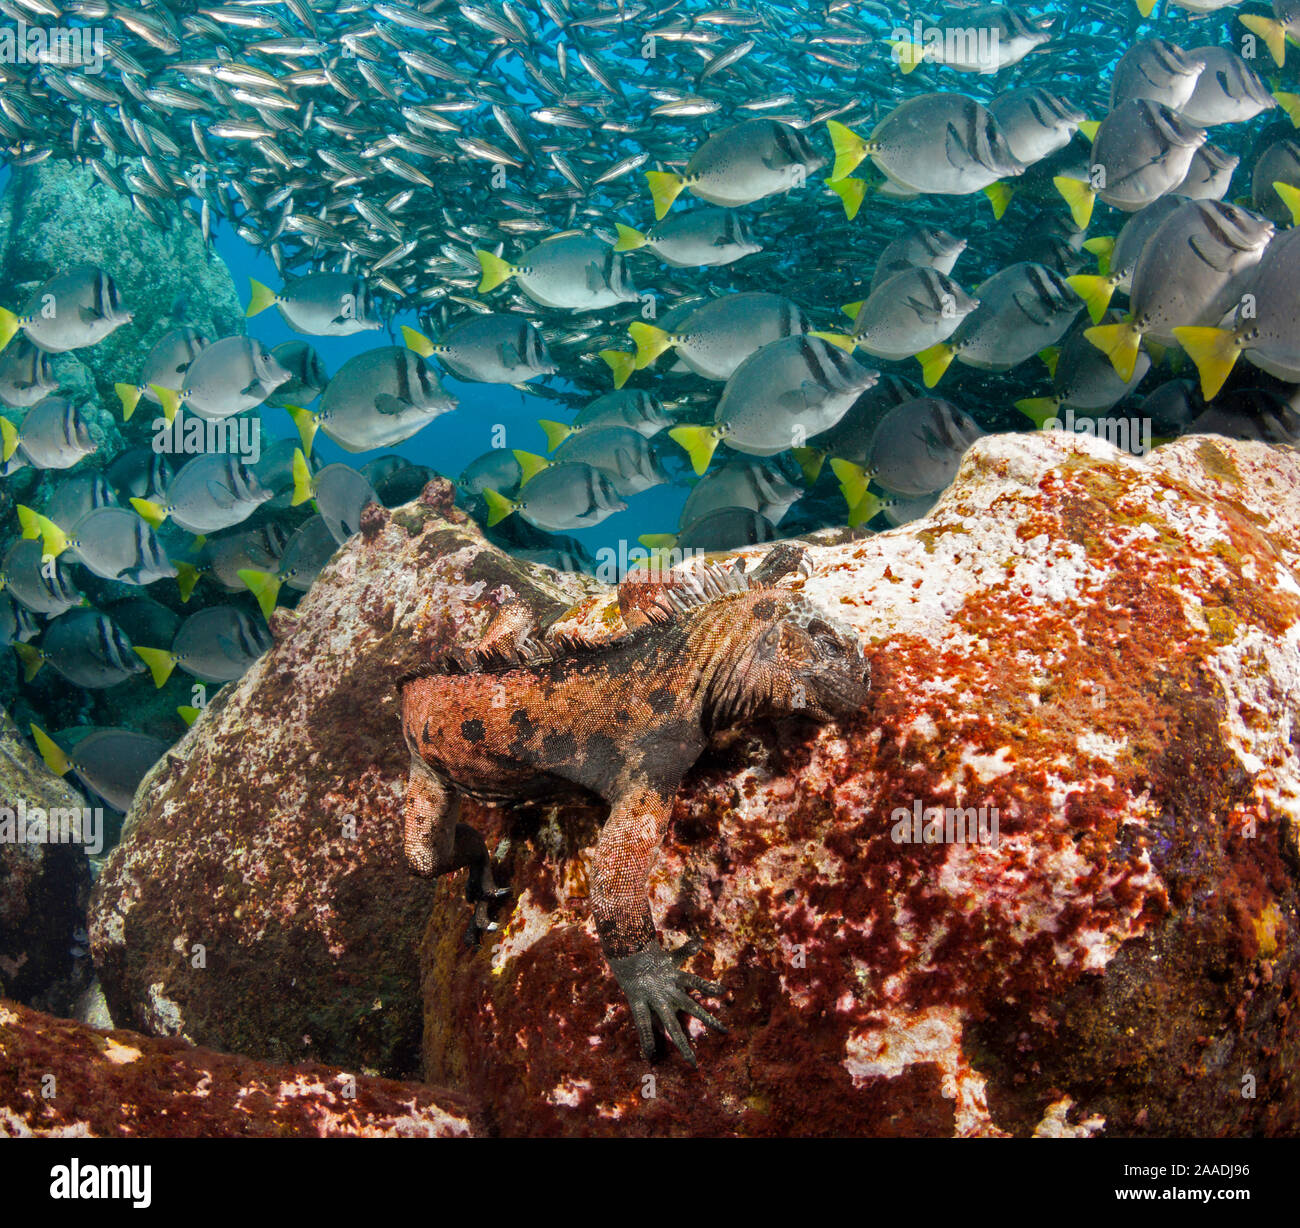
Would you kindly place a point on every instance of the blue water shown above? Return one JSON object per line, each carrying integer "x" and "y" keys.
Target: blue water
{"x": 450, "y": 442}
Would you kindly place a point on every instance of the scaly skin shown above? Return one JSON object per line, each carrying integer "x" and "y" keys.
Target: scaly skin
{"x": 625, "y": 721}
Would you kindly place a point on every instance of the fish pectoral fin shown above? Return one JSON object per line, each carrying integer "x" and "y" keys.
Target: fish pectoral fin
{"x": 391, "y": 406}
{"x": 1032, "y": 308}
{"x": 221, "y": 495}
{"x": 1211, "y": 253}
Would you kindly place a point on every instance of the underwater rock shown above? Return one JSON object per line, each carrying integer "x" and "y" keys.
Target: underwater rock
{"x": 44, "y": 886}
{"x": 259, "y": 901}
{"x": 1102, "y": 654}
{"x": 55, "y": 216}
{"x": 115, "y": 1084}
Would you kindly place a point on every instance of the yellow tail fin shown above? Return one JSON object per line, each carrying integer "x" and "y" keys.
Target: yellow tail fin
{"x": 909, "y": 56}
{"x": 556, "y": 433}
{"x": 999, "y": 195}
{"x": 29, "y": 522}
{"x": 496, "y": 272}
{"x": 1290, "y": 198}
{"x": 32, "y": 659}
{"x": 1272, "y": 32}
{"x": 1096, "y": 292}
{"x": 159, "y": 660}
{"x": 171, "y": 400}
{"x": 9, "y": 324}
{"x": 55, "y": 540}
{"x": 854, "y": 481}
{"x": 1103, "y": 247}
{"x": 264, "y": 586}
{"x": 1039, "y": 409}
{"x": 499, "y": 507}
{"x": 1121, "y": 343}
{"x": 153, "y": 512}
{"x": 260, "y": 297}
{"x": 187, "y": 577}
{"x": 187, "y": 714}
{"x": 303, "y": 488}
{"x": 530, "y": 464}
{"x": 849, "y": 147}
{"x": 1090, "y": 128}
{"x": 1290, "y": 103}
{"x": 810, "y": 461}
{"x": 307, "y": 424}
{"x": 129, "y": 395}
{"x": 8, "y": 439}
{"x": 1146, "y": 7}
{"x": 1214, "y": 351}
{"x": 853, "y": 310}
{"x": 699, "y": 443}
{"x": 629, "y": 239}
{"x": 621, "y": 364}
{"x": 935, "y": 363}
{"x": 650, "y": 342}
{"x": 841, "y": 341}
{"x": 1051, "y": 358}
{"x": 55, "y": 759}
{"x": 852, "y": 192}
{"x": 1079, "y": 195}
{"x": 868, "y": 509}
{"x": 658, "y": 541}
{"x": 417, "y": 341}
{"x": 665, "y": 187}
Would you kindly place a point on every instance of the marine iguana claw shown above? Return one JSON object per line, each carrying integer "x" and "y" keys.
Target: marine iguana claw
{"x": 656, "y": 987}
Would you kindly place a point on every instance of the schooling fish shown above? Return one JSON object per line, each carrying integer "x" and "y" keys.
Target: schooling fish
{"x": 916, "y": 247}
{"x": 321, "y": 304}
{"x": 559, "y": 498}
{"x": 910, "y": 312}
{"x": 494, "y": 348}
{"x": 109, "y": 762}
{"x": 1156, "y": 71}
{"x": 745, "y": 482}
{"x": 340, "y": 494}
{"x": 713, "y": 340}
{"x": 777, "y": 398}
{"x": 85, "y": 647}
{"x": 26, "y": 374}
{"x": 218, "y": 644}
{"x": 70, "y": 311}
{"x": 946, "y": 144}
{"x": 226, "y": 378}
{"x": 40, "y": 587}
{"x": 378, "y": 399}
{"x": 750, "y": 160}
{"x": 75, "y": 496}
{"x": 113, "y": 543}
{"x": 622, "y": 454}
{"x": 309, "y": 549}
{"x": 573, "y": 272}
{"x": 1229, "y": 91}
{"x": 53, "y": 435}
{"x": 165, "y": 367}
{"x": 628, "y": 407}
{"x": 213, "y": 492}
{"x": 708, "y": 237}
{"x": 307, "y": 375}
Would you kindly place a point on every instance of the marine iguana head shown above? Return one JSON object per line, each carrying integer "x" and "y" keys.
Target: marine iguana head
{"x": 775, "y": 654}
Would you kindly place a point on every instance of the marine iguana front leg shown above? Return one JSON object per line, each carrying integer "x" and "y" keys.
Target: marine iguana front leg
{"x": 437, "y": 844}
{"x": 655, "y": 983}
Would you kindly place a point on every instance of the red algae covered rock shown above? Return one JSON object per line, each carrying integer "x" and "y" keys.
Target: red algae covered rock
{"x": 1044, "y": 884}
{"x": 259, "y": 902}
{"x": 44, "y": 879}
{"x": 62, "y": 1079}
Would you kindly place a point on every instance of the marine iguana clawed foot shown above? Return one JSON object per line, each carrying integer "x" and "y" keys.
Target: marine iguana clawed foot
{"x": 655, "y": 984}
{"x": 481, "y": 889}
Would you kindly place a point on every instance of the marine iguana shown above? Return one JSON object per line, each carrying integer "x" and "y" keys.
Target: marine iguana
{"x": 624, "y": 720}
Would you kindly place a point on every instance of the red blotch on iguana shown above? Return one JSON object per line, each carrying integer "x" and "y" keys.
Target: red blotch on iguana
{"x": 625, "y": 720}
